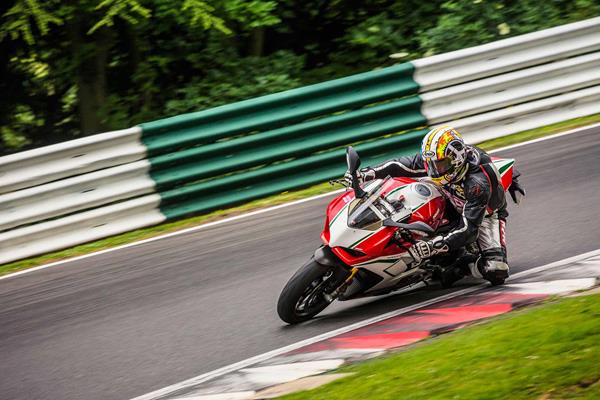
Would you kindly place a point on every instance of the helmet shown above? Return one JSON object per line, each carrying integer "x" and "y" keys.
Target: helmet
{"x": 444, "y": 155}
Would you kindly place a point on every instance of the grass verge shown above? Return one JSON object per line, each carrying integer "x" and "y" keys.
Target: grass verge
{"x": 545, "y": 352}
{"x": 285, "y": 197}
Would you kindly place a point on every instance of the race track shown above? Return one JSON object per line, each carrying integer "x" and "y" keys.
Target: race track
{"x": 125, "y": 323}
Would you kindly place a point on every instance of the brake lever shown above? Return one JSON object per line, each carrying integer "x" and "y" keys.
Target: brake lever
{"x": 342, "y": 182}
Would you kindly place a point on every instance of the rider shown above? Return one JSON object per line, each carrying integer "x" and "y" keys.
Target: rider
{"x": 468, "y": 178}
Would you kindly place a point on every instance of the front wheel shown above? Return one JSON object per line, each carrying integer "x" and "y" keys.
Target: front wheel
{"x": 304, "y": 296}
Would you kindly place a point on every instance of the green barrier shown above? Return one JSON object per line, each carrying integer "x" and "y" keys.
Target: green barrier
{"x": 243, "y": 151}
{"x": 237, "y": 189}
{"x": 402, "y": 110}
{"x": 190, "y": 165}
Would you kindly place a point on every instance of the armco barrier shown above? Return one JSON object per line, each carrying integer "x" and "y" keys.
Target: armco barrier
{"x": 74, "y": 194}
{"x": 78, "y": 191}
{"x": 50, "y": 163}
{"x": 501, "y": 91}
{"x": 522, "y": 117}
{"x": 81, "y": 227}
{"x": 288, "y": 142}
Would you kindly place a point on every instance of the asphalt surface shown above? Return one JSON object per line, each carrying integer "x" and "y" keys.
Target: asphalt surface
{"x": 125, "y": 323}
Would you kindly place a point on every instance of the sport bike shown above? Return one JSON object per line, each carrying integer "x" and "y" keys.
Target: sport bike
{"x": 368, "y": 231}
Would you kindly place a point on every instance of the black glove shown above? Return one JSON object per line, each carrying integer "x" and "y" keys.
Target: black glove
{"x": 516, "y": 191}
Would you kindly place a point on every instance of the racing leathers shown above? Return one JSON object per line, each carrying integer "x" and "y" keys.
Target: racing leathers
{"x": 480, "y": 200}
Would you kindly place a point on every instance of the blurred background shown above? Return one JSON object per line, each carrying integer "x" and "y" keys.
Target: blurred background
{"x": 78, "y": 67}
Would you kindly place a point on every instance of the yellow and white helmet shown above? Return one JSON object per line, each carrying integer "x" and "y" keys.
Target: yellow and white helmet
{"x": 444, "y": 155}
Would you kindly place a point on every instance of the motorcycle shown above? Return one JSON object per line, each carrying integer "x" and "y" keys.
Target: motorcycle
{"x": 368, "y": 231}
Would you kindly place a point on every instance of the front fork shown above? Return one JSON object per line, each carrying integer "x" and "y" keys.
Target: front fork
{"x": 326, "y": 257}
{"x": 342, "y": 288}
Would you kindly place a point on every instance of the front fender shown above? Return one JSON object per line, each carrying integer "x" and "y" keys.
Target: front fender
{"x": 324, "y": 256}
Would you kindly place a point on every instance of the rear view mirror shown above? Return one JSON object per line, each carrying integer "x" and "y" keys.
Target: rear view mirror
{"x": 352, "y": 159}
{"x": 353, "y": 162}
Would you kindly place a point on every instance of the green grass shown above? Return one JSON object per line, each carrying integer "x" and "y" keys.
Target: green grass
{"x": 546, "y": 352}
{"x": 173, "y": 226}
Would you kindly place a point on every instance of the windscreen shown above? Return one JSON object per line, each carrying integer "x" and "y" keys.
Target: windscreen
{"x": 369, "y": 212}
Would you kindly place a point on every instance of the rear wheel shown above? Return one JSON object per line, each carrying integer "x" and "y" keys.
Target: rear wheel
{"x": 304, "y": 296}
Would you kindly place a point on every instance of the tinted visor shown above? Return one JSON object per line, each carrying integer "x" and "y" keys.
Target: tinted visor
{"x": 438, "y": 168}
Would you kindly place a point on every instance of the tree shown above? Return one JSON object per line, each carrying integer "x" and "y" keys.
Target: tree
{"x": 88, "y": 35}
{"x": 465, "y": 23}
{"x": 75, "y": 67}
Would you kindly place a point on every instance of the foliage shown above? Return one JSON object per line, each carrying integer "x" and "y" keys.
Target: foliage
{"x": 252, "y": 14}
{"x": 469, "y": 23}
{"x": 201, "y": 14}
{"x": 227, "y": 82}
{"x": 125, "y": 9}
{"x": 84, "y": 66}
{"x": 17, "y": 21}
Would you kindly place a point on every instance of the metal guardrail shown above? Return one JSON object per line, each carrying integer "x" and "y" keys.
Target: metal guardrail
{"x": 522, "y": 117}
{"x": 509, "y": 89}
{"x": 74, "y": 194}
{"x": 80, "y": 227}
{"x": 61, "y": 195}
{"x": 75, "y": 157}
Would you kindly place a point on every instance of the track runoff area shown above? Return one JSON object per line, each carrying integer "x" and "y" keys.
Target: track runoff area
{"x": 115, "y": 287}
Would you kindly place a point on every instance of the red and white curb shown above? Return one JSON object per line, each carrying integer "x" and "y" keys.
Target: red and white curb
{"x": 326, "y": 352}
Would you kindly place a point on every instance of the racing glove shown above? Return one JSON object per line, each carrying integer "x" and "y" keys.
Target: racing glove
{"x": 425, "y": 249}
{"x": 363, "y": 175}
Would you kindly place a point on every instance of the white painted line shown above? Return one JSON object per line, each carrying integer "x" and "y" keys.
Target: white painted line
{"x": 252, "y": 213}
{"x": 247, "y": 395}
{"x": 555, "y": 264}
{"x": 262, "y": 357}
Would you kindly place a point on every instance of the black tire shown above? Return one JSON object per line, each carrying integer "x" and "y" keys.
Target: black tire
{"x": 497, "y": 278}
{"x": 301, "y": 286}
{"x": 497, "y": 281}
